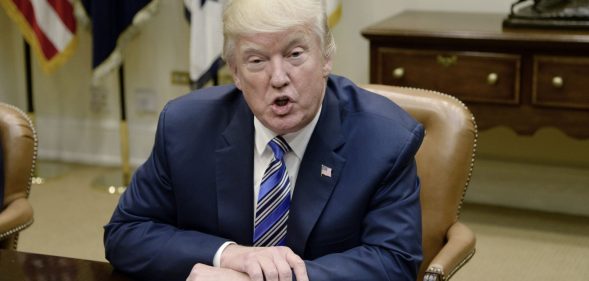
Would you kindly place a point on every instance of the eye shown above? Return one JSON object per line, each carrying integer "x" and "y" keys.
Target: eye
{"x": 254, "y": 60}
{"x": 296, "y": 54}
{"x": 255, "y": 63}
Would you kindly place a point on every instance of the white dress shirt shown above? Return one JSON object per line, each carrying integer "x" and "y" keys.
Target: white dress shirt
{"x": 263, "y": 156}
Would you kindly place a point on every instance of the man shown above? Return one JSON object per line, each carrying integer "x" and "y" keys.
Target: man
{"x": 340, "y": 200}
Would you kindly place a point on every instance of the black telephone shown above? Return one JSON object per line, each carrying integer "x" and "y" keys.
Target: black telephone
{"x": 549, "y": 14}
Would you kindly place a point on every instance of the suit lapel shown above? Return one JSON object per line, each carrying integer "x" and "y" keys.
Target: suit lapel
{"x": 234, "y": 166}
{"x": 313, "y": 189}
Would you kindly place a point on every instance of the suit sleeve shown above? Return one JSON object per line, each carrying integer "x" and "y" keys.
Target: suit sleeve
{"x": 391, "y": 235}
{"x": 141, "y": 238}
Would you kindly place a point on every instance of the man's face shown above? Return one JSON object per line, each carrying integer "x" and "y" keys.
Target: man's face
{"x": 282, "y": 76}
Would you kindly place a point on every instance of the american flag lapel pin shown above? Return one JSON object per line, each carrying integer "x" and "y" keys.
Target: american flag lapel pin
{"x": 325, "y": 171}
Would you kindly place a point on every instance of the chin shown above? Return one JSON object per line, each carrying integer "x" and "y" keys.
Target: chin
{"x": 282, "y": 128}
{"x": 286, "y": 124}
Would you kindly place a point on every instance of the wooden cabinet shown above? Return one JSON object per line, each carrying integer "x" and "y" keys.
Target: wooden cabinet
{"x": 492, "y": 77}
{"x": 524, "y": 79}
{"x": 561, "y": 82}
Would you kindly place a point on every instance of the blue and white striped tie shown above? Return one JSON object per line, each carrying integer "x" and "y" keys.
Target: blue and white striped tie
{"x": 270, "y": 220}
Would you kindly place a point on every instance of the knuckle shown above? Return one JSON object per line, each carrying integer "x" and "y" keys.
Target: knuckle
{"x": 256, "y": 276}
{"x": 197, "y": 266}
{"x": 285, "y": 274}
{"x": 271, "y": 273}
{"x": 283, "y": 248}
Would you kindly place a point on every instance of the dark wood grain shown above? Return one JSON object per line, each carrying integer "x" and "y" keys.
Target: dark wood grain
{"x": 19, "y": 266}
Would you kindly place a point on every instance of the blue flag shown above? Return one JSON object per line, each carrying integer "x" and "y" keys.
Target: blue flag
{"x": 113, "y": 22}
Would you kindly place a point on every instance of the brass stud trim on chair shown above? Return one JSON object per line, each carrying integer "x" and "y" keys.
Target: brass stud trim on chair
{"x": 462, "y": 263}
{"x": 434, "y": 274}
{"x": 468, "y": 130}
{"x": 35, "y": 143}
{"x": 16, "y": 230}
{"x": 474, "y": 146}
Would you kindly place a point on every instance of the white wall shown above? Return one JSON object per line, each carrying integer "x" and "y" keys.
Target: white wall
{"x": 77, "y": 122}
{"x": 11, "y": 63}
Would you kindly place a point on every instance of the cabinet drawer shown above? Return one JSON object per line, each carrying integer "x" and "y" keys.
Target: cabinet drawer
{"x": 470, "y": 76}
{"x": 561, "y": 82}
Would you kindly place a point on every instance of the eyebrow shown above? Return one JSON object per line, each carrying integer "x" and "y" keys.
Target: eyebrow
{"x": 297, "y": 41}
{"x": 253, "y": 48}
{"x": 297, "y": 38}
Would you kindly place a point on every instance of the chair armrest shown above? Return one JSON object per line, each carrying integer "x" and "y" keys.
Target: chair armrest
{"x": 17, "y": 216}
{"x": 459, "y": 248}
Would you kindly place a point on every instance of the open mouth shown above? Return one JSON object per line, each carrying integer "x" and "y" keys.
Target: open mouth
{"x": 281, "y": 101}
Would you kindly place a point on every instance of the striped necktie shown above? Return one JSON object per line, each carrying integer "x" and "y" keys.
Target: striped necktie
{"x": 270, "y": 220}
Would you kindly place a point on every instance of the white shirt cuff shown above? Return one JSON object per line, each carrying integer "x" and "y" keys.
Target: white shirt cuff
{"x": 217, "y": 257}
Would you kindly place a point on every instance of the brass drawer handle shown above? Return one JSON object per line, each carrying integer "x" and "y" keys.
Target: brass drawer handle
{"x": 447, "y": 61}
{"x": 492, "y": 78}
{"x": 557, "y": 82}
{"x": 398, "y": 73}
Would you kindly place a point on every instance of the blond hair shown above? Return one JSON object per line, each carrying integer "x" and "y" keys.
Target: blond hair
{"x": 246, "y": 17}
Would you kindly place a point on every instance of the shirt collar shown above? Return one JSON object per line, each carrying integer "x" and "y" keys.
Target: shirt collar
{"x": 297, "y": 141}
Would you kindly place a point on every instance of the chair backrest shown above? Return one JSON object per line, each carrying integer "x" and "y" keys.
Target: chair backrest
{"x": 19, "y": 150}
{"x": 444, "y": 160}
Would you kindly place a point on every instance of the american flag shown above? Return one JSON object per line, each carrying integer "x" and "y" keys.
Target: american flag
{"x": 49, "y": 26}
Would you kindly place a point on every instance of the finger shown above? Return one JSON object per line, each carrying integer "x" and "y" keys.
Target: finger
{"x": 196, "y": 272}
{"x": 283, "y": 268}
{"x": 254, "y": 270}
{"x": 298, "y": 266}
{"x": 269, "y": 268}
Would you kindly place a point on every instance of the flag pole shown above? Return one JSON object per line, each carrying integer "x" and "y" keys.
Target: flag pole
{"x": 30, "y": 103}
{"x": 44, "y": 170}
{"x": 29, "y": 84}
{"x": 29, "y": 81}
{"x": 124, "y": 131}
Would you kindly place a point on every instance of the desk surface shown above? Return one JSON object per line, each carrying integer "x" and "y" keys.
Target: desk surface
{"x": 484, "y": 27}
{"x": 19, "y": 266}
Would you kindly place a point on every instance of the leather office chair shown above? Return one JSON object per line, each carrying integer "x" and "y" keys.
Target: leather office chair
{"x": 444, "y": 165}
{"x": 19, "y": 151}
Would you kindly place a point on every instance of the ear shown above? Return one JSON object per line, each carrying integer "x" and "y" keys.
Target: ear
{"x": 234, "y": 75}
{"x": 327, "y": 67}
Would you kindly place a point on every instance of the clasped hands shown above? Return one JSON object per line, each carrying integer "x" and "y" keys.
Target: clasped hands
{"x": 253, "y": 263}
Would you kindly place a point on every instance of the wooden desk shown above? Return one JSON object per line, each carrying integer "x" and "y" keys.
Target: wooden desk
{"x": 19, "y": 266}
{"x": 523, "y": 79}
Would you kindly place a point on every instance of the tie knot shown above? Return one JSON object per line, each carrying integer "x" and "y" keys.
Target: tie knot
{"x": 279, "y": 146}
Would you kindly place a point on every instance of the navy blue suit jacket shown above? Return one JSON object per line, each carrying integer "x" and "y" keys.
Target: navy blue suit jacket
{"x": 195, "y": 191}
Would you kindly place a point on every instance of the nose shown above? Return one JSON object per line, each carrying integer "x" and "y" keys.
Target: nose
{"x": 279, "y": 74}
